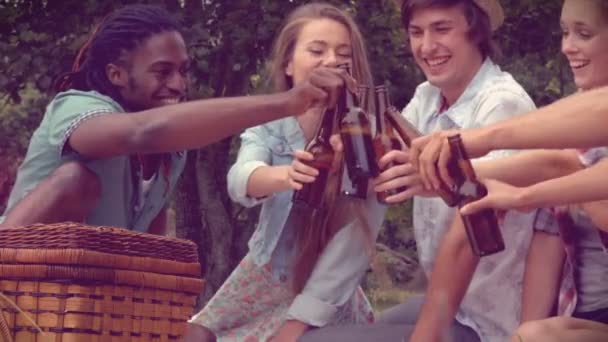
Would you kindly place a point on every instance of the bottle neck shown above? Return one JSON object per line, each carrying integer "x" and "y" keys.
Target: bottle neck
{"x": 325, "y": 128}
{"x": 364, "y": 98}
{"x": 381, "y": 112}
{"x": 459, "y": 154}
{"x": 351, "y": 100}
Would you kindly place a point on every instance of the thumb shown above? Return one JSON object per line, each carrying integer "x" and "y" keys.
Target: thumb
{"x": 473, "y": 207}
{"x": 336, "y": 143}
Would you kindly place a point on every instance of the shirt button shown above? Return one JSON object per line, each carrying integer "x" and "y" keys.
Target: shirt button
{"x": 280, "y": 148}
{"x": 283, "y": 278}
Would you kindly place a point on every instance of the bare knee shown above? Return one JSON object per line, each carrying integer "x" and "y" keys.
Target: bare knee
{"x": 198, "y": 333}
{"x": 76, "y": 183}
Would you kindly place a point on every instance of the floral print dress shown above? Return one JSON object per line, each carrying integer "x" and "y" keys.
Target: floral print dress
{"x": 251, "y": 306}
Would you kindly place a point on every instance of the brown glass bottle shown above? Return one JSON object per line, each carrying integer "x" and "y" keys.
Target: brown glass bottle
{"x": 357, "y": 188}
{"x": 385, "y": 139}
{"x": 323, "y": 156}
{"x": 481, "y": 227}
{"x": 407, "y": 132}
{"x": 363, "y": 96}
{"x": 355, "y": 130}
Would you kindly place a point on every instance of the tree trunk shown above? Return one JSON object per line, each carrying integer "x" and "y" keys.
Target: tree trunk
{"x": 215, "y": 210}
{"x": 188, "y": 224}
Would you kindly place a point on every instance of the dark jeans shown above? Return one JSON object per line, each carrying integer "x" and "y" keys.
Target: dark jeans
{"x": 600, "y": 315}
{"x": 394, "y": 325}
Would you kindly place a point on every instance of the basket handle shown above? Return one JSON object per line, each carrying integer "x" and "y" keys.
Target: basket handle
{"x": 5, "y": 331}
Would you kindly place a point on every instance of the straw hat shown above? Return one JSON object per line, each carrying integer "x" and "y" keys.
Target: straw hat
{"x": 494, "y": 10}
{"x": 491, "y": 7}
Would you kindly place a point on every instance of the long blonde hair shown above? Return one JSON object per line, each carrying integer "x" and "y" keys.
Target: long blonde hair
{"x": 312, "y": 240}
{"x": 286, "y": 40}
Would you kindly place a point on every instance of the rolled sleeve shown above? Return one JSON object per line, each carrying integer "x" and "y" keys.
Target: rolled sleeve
{"x": 311, "y": 310}
{"x": 253, "y": 154}
{"x": 237, "y": 187}
{"x": 70, "y": 110}
{"x": 336, "y": 275}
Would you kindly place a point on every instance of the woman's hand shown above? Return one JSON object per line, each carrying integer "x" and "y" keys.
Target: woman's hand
{"x": 298, "y": 173}
{"x": 501, "y": 196}
{"x": 401, "y": 174}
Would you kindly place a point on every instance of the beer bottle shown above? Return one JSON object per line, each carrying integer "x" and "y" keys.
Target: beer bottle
{"x": 481, "y": 227}
{"x": 355, "y": 130}
{"x": 363, "y": 95}
{"x": 323, "y": 156}
{"x": 407, "y": 132}
{"x": 357, "y": 188}
{"x": 385, "y": 139}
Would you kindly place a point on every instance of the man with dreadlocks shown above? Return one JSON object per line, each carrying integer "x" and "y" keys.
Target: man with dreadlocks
{"x": 106, "y": 153}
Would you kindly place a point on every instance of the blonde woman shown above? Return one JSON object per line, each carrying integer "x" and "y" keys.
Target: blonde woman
{"x": 260, "y": 301}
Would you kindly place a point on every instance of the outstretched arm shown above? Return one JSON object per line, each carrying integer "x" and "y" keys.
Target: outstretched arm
{"x": 198, "y": 123}
{"x": 542, "y": 276}
{"x": 587, "y": 185}
{"x": 448, "y": 283}
{"x": 578, "y": 121}
{"x": 529, "y": 167}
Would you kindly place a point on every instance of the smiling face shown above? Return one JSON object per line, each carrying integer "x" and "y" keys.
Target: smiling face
{"x": 320, "y": 42}
{"x": 156, "y": 72}
{"x": 585, "y": 41}
{"x": 442, "y": 47}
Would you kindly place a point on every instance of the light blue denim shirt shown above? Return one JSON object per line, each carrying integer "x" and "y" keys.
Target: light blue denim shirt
{"x": 493, "y": 95}
{"x": 342, "y": 263}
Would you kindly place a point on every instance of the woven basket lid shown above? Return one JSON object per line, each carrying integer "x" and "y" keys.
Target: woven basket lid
{"x": 117, "y": 241}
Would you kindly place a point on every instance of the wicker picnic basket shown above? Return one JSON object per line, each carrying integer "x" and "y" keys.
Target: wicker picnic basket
{"x": 80, "y": 283}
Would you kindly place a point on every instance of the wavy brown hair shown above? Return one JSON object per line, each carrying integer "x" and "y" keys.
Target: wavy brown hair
{"x": 311, "y": 240}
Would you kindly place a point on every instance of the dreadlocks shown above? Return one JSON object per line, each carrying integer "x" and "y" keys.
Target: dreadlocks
{"x": 117, "y": 34}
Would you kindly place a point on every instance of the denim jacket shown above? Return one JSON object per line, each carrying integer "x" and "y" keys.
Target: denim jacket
{"x": 273, "y": 143}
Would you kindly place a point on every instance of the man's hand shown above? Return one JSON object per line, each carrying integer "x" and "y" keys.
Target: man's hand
{"x": 402, "y": 174}
{"x": 431, "y": 154}
{"x": 321, "y": 89}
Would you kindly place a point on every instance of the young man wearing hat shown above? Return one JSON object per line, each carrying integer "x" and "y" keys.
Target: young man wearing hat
{"x": 467, "y": 299}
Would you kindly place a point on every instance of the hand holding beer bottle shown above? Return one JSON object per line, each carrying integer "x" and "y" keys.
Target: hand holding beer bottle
{"x": 356, "y": 188}
{"x": 385, "y": 139}
{"x": 322, "y": 159}
{"x": 481, "y": 227}
{"x": 407, "y": 132}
